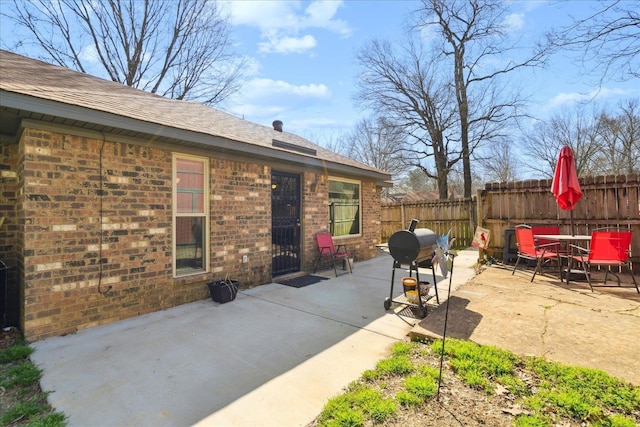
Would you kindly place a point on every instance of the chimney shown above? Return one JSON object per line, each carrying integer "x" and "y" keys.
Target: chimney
{"x": 277, "y": 125}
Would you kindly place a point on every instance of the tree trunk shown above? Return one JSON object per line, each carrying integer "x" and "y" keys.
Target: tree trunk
{"x": 443, "y": 176}
{"x": 463, "y": 111}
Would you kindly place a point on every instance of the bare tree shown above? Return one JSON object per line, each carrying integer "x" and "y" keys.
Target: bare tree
{"x": 574, "y": 128}
{"x": 402, "y": 84}
{"x": 629, "y": 120}
{"x": 331, "y": 139}
{"x": 417, "y": 181}
{"x": 473, "y": 36}
{"x": 620, "y": 140}
{"x": 178, "y": 49}
{"x": 500, "y": 163}
{"x": 604, "y": 143}
{"x": 376, "y": 142}
{"x": 609, "y": 38}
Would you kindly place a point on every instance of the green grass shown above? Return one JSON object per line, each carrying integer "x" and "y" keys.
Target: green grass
{"x": 421, "y": 386}
{"x": 553, "y": 392}
{"x": 582, "y": 394}
{"x": 23, "y": 402}
{"x": 15, "y": 353}
{"x": 22, "y": 374}
{"x": 358, "y": 404}
{"x": 479, "y": 366}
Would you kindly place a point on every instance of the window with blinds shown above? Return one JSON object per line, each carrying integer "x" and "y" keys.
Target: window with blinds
{"x": 344, "y": 207}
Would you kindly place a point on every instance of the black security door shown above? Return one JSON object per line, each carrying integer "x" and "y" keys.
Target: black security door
{"x": 285, "y": 222}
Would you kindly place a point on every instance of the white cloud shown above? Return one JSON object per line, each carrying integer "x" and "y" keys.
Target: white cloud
{"x": 571, "y": 98}
{"x": 321, "y": 14}
{"x": 563, "y": 99}
{"x": 288, "y": 44}
{"x": 514, "y": 22}
{"x": 89, "y": 54}
{"x": 265, "y": 15}
{"x": 281, "y": 22}
{"x": 533, "y": 5}
{"x": 271, "y": 89}
{"x": 262, "y": 100}
{"x": 251, "y": 66}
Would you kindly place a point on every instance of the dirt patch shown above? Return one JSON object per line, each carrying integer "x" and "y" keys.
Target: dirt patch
{"x": 8, "y": 336}
{"x": 458, "y": 404}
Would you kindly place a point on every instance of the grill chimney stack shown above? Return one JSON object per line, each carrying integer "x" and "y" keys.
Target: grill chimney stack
{"x": 277, "y": 125}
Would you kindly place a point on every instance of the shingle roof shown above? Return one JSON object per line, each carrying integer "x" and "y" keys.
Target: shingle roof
{"x": 42, "y": 81}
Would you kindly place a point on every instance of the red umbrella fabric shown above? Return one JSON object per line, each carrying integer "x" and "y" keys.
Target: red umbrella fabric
{"x": 565, "y": 186}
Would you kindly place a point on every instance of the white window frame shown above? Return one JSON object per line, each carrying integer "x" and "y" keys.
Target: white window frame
{"x": 175, "y": 214}
{"x": 351, "y": 181}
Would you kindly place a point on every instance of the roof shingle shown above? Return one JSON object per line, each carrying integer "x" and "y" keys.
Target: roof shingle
{"x": 37, "y": 79}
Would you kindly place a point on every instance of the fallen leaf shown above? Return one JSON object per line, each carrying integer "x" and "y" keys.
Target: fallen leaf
{"x": 500, "y": 390}
{"x": 515, "y": 411}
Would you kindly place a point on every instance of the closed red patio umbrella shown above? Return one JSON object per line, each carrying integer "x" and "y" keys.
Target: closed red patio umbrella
{"x": 565, "y": 186}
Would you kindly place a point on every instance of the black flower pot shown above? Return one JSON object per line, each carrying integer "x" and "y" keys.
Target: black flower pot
{"x": 223, "y": 291}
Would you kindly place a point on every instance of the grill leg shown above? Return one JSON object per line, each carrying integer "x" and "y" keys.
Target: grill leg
{"x": 393, "y": 276}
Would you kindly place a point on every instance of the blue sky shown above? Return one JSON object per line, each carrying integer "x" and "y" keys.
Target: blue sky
{"x": 303, "y": 67}
{"x": 303, "y": 58}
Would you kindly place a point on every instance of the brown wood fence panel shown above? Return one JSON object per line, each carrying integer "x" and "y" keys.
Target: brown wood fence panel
{"x": 608, "y": 201}
{"x": 457, "y": 215}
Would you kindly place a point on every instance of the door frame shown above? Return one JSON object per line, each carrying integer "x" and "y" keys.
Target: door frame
{"x": 286, "y": 239}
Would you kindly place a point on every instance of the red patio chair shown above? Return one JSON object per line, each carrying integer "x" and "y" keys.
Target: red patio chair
{"x": 326, "y": 248}
{"x": 609, "y": 247}
{"x": 530, "y": 250}
{"x": 549, "y": 229}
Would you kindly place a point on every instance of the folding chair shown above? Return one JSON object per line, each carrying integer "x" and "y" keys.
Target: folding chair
{"x": 530, "y": 250}
{"x": 609, "y": 247}
{"x": 550, "y": 230}
{"x": 326, "y": 248}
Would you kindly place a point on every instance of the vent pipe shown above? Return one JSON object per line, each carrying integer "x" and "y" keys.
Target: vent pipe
{"x": 277, "y": 125}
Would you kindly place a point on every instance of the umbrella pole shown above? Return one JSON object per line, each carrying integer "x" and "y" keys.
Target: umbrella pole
{"x": 573, "y": 233}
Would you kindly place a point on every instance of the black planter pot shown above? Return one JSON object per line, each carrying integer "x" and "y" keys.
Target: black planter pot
{"x": 223, "y": 291}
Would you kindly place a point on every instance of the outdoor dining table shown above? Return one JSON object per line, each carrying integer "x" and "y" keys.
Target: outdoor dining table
{"x": 566, "y": 239}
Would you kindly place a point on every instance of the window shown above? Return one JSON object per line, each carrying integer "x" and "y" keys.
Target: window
{"x": 190, "y": 215}
{"x": 344, "y": 207}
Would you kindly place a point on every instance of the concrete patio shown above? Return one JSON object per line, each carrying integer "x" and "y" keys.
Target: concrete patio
{"x": 276, "y": 354}
{"x": 272, "y": 357}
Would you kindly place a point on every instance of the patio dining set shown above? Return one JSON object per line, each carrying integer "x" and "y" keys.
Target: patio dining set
{"x": 605, "y": 249}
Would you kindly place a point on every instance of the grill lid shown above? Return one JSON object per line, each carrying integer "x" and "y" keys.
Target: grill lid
{"x": 406, "y": 246}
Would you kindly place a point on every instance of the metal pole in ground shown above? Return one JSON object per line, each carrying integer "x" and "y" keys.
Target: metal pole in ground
{"x": 444, "y": 332}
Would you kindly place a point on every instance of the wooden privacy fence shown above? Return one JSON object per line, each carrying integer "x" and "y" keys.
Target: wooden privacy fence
{"x": 608, "y": 201}
{"x": 457, "y": 215}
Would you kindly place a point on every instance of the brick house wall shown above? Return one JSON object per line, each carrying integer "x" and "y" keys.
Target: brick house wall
{"x": 69, "y": 281}
{"x": 241, "y": 221}
{"x": 62, "y": 226}
{"x": 316, "y": 218}
{"x": 371, "y": 219}
{"x": 64, "y": 289}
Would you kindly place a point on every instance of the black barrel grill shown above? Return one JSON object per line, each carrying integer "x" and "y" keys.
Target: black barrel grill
{"x": 408, "y": 246}
{"x": 413, "y": 248}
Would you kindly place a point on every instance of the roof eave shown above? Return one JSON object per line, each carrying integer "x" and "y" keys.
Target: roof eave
{"x": 180, "y": 137}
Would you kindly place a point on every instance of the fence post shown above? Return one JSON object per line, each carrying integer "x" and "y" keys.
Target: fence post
{"x": 479, "y": 219}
